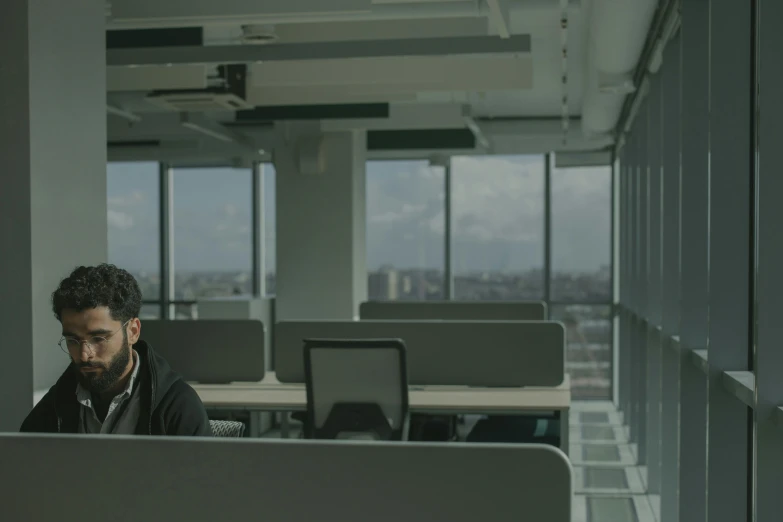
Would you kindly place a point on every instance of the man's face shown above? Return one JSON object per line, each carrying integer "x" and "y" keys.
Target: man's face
{"x": 101, "y": 365}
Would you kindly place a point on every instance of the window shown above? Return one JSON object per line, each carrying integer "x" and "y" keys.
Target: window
{"x": 498, "y": 227}
{"x": 269, "y": 177}
{"x": 589, "y": 350}
{"x": 581, "y": 234}
{"x": 149, "y": 311}
{"x": 405, "y": 230}
{"x": 133, "y": 215}
{"x": 212, "y": 234}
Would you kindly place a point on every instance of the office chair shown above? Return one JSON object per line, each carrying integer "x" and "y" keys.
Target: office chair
{"x": 223, "y": 428}
{"x": 356, "y": 389}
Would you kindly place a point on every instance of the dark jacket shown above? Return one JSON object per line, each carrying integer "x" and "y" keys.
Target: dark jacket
{"x": 169, "y": 406}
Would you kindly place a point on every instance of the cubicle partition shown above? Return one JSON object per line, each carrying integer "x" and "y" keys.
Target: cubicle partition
{"x": 196, "y": 479}
{"x": 469, "y": 353}
{"x": 243, "y": 307}
{"x": 454, "y": 310}
{"x": 210, "y": 351}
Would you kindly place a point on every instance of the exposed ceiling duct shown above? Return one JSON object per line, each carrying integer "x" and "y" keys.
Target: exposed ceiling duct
{"x": 618, "y": 31}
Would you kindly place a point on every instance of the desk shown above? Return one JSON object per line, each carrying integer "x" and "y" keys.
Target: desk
{"x": 272, "y": 395}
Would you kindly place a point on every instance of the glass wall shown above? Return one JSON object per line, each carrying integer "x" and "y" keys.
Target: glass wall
{"x": 212, "y": 233}
{"x": 581, "y": 234}
{"x": 589, "y": 350}
{"x": 500, "y": 234}
{"x": 498, "y": 227}
{"x": 500, "y": 221}
{"x": 133, "y": 198}
{"x": 405, "y": 230}
{"x": 210, "y": 227}
{"x": 581, "y": 273}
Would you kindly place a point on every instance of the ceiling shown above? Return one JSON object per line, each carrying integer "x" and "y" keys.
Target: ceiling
{"x": 199, "y": 80}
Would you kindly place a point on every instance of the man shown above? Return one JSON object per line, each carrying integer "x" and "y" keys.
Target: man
{"x": 115, "y": 383}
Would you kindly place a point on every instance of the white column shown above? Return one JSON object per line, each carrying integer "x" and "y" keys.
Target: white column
{"x": 53, "y": 193}
{"x": 321, "y": 267}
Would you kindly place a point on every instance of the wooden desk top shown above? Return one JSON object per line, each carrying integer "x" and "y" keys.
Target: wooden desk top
{"x": 272, "y": 395}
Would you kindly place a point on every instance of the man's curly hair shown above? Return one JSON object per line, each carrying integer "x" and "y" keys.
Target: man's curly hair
{"x": 96, "y": 286}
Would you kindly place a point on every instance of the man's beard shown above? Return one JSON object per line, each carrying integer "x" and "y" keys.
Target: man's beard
{"x": 106, "y": 379}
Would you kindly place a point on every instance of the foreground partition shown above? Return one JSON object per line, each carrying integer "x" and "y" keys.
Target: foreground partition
{"x": 470, "y": 353}
{"x": 157, "y": 478}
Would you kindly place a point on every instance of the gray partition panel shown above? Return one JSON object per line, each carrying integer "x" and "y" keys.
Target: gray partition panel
{"x": 471, "y": 353}
{"x": 455, "y": 310}
{"x": 167, "y": 479}
{"x": 210, "y": 351}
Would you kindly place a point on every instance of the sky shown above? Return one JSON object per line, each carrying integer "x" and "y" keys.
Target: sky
{"x": 497, "y": 208}
{"x": 497, "y": 214}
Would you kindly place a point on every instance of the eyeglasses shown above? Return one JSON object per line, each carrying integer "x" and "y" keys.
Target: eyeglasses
{"x": 95, "y": 343}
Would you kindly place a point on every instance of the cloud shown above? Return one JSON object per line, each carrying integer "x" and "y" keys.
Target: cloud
{"x": 498, "y": 198}
{"x": 119, "y": 220}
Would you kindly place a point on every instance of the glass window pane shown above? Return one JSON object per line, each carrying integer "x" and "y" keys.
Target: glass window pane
{"x": 212, "y": 233}
{"x": 581, "y": 234}
{"x": 589, "y": 349}
{"x": 270, "y": 227}
{"x": 184, "y": 311}
{"x": 405, "y": 230}
{"x": 133, "y": 201}
{"x": 150, "y": 311}
{"x": 498, "y": 227}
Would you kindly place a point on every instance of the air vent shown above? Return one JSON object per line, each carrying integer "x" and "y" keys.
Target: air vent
{"x": 198, "y": 101}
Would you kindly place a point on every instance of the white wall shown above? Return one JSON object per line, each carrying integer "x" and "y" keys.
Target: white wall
{"x": 321, "y": 270}
{"x": 53, "y": 192}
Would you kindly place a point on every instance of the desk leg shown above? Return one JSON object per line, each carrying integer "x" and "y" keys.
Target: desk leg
{"x": 255, "y": 424}
{"x": 565, "y": 431}
{"x": 285, "y": 426}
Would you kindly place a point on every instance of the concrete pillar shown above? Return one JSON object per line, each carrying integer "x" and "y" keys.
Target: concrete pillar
{"x": 53, "y": 192}
{"x": 321, "y": 251}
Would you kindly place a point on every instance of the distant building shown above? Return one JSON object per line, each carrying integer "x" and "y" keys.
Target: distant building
{"x": 383, "y": 285}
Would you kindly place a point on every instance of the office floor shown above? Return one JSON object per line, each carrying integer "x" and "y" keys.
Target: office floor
{"x": 609, "y": 486}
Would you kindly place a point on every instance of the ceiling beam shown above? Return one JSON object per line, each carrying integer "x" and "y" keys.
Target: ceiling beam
{"x": 141, "y": 13}
{"x": 136, "y": 14}
{"x": 226, "y": 54}
{"x": 406, "y": 116}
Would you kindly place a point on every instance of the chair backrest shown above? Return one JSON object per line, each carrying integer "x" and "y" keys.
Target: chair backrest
{"x": 461, "y": 353}
{"x": 454, "y": 310}
{"x": 210, "y": 350}
{"x": 224, "y": 428}
{"x": 356, "y": 388}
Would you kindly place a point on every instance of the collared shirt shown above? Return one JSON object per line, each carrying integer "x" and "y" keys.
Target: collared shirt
{"x": 123, "y": 413}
